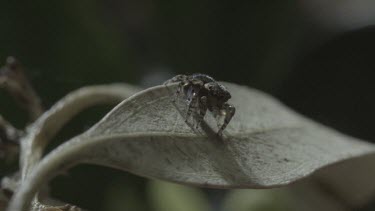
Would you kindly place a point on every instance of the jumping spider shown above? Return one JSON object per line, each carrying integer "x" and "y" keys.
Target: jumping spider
{"x": 202, "y": 92}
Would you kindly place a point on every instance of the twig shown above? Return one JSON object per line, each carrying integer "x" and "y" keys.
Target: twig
{"x": 9, "y": 140}
{"x": 9, "y": 152}
{"x": 45, "y": 128}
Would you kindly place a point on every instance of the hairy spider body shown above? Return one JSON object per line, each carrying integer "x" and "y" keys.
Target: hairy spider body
{"x": 203, "y": 93}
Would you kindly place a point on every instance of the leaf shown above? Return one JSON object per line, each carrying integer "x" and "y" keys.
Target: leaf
{"x": 265, "y": 145}
{"x": 351, "y": 182}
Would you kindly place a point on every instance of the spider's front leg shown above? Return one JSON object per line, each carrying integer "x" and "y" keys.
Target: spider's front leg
{"x": 192, "y": 99}
{"x": 179, "y": 90}
{"x": 228, "y": 111}
{"x": 202, "y": 110}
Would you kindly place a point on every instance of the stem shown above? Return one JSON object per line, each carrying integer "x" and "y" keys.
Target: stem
{"x": 8, "y": 133}
{"x": 9, "y": 141}
{"x": 46, "y": 127}
{"x": 47, "y": 168}
{"x": 77, "y": 150}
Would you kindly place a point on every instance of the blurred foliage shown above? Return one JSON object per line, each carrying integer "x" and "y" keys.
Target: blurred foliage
{"x": 275, "y": 47}
{"x": 168, "y": 196}
{"x": 258, "y": 200}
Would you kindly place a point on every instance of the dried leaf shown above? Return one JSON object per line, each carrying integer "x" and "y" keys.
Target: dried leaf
{"x": 265, "y": 145}
{"x": 14, "y": 80}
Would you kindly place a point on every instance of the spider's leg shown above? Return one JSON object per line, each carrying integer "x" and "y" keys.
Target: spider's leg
{"x": 202, "y": 110}
{"x": 228, "y": 111}
{"x": 191, "y": 106}
{"x": 190, "y": 89}
{"x": 216, "y": 112}
{"x": 178, "y": 91}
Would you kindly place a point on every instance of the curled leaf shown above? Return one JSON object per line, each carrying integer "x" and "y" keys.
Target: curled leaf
{"x": 265, "y": 145}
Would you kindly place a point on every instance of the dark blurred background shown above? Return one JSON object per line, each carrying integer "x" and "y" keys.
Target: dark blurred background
{"x": 316, "y": 56}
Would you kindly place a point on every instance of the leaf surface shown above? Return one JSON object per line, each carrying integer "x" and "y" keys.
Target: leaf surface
{"x": 265, "y": 145}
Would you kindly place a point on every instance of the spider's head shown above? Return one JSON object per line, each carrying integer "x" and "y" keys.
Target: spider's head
{"x": 218, "y": 91}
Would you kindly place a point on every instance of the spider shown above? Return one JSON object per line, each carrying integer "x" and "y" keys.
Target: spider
{"x": 203, "y": 93}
